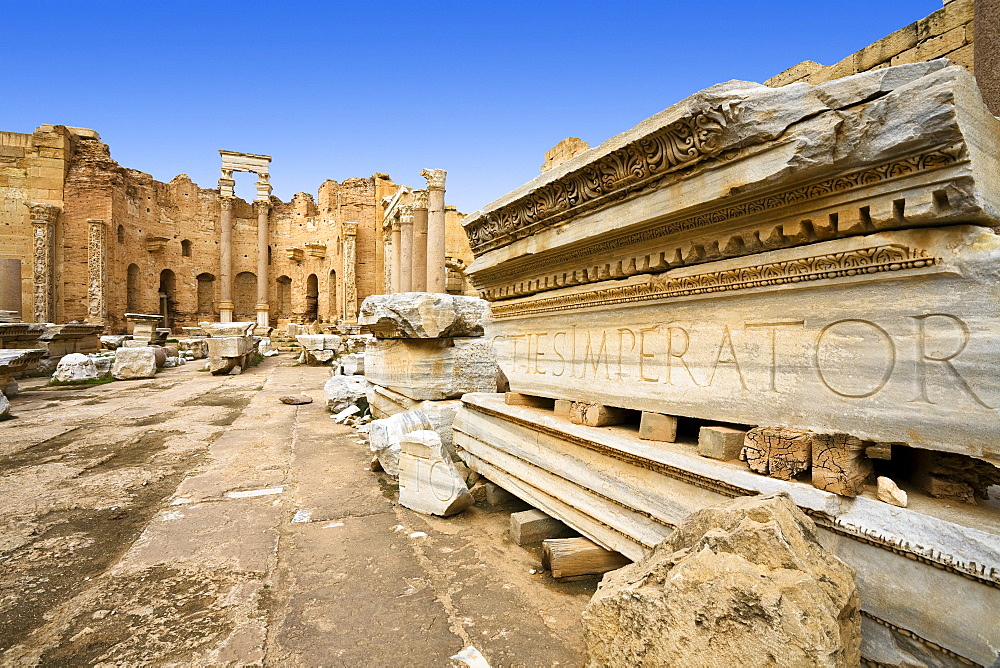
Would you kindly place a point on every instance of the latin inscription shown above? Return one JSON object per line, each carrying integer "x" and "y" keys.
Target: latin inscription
{"x": 851, "y": 358}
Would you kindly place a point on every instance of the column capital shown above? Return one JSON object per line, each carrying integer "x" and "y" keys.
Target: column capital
{"x": 420, "y": 199}
{"x": 95, "y": 222}
{"x": 395, "y": 224}
{"x": 351, "y": 229}
{"x": 262, "y": 205}
{"x": 435, "y": 178}
{"x": 226, "y": 202}
{"x": 42, "y": 213}
{"x": 406, "y": 215}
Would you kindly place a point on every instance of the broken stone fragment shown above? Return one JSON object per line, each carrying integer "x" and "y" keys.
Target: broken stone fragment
{"x": 4, "y": 406}
{"x": 353, "y": 364}
{"x": 74, "y": 368}
{"x": 433, "y": 369}
{"x": 839, "y": 463}
{"x": 295, "y": 399}
{"x": 428, "y": 480}
{"x": 889, "y": 492}
{"x": 423, "y": 315}
{"x": 780, "y": 452}
{"x": 955, "y": 477}
{"x": 745, "y": 582}
{"x": 722, "y": 443}
{"x": 133, "y": 363}
{"x": 114, "y": 341}
{"x": 344, "y": 391}
{"x": 384, "y": 435}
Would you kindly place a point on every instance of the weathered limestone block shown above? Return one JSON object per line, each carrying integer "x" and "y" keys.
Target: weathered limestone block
{"x": 780, "y": 452}
{"x": 229, "y": 345}
{"x": 113, "y": 341}
{"x": 431, "y": 368}
{"x": 428, "y": 480}
{"x": 4, "y": 406}
{"x": 384, "y": 436}
{"x": 745, "y": 581}
{"x": 955, "y": 477}
{"x": 344, "y": 391}
{"x": 75, "y": 367}
{"x": 144, "y": 325}
{"x": 132, "y": 363}
{"x": 890, "y": 492}
{"x": 658, "y": 427}
{"x": 595, "y": 415}
{"x": 423, "y": 315}
{"x": 134, "y": 343}
{"x": 352, "y": 364}
{"x": 384, "y": 402}
{"x": 839, "y": 463}
{"x": 534, "y": 526}
{"x": 318, "y": 349}
{"x": 356, "y": 343}
{"x": 195, "y": 349}
{"x": 722, "y": 443}
{"x": 222, "y": 329}
{"x": 103, "y": 363}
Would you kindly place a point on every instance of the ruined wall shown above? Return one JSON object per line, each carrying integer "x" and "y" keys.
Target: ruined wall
{"x": 947, "y": 33}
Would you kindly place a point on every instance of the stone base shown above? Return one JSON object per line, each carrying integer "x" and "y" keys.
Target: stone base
{"x": 627, "y": 494}
{"x": 432, "y": 369}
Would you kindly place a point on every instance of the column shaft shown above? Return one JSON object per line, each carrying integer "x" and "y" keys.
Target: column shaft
{"x": 226, "y": 260}
{"x": 263, "y": 315}
{"x": 350, "y": 275}
{"x": 406, "y": 251}
{"x": 397, "y": 256}
{"x": 436, "y": 247}
{"x": 418, "y": 282}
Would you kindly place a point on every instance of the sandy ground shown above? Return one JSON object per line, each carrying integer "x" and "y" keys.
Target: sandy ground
{"x": 126, "y": 540}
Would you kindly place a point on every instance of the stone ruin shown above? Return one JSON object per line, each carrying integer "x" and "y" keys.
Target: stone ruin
{"x": 765, "y": 290}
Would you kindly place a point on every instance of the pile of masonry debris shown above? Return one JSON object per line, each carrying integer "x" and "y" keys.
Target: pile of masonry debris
{"x": 661, "y": 331}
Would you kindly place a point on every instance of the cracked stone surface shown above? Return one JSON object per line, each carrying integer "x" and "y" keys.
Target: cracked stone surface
{"x": 191, "y": 519}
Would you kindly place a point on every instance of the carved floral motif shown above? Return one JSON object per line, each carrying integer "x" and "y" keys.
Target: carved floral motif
{"x": 435, "y": 178}
{"x": 420, "y": 199}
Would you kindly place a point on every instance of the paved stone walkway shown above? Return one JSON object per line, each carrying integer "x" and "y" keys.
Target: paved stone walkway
{"x": 195, "y": 520}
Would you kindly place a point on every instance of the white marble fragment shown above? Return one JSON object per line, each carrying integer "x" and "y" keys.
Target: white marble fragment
{"x": 75, "y": 367}
{"x": 428, "y": 480}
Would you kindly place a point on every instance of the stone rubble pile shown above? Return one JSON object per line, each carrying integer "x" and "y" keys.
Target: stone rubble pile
{"x": 319, "y": 349}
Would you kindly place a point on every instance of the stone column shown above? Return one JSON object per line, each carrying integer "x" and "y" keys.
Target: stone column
{"x": 419, "y": 281}
{"x": 226, "y": 197}
{"x": 406, "y": 249}
{"x": 435, "y": 229}
{"x": 350, "y": 275}
{"x": 397, "y": 255}
{"x": 263, "y": 314}
{"x": 43, "y": 223}
{"x": 97, "y": 264}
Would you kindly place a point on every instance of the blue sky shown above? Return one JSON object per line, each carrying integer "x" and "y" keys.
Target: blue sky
{"x": 334, "y": 90}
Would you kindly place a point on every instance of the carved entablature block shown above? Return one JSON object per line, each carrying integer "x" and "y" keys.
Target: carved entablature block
{"x": 295, "y": 254}
{"x": 316, "y": 249}
{"x": 740, "y": 169}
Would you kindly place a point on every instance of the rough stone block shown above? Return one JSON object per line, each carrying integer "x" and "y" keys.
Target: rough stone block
{"x": 676, "y": 607}
{"x": 344, "y": 391}
{"x": 839, "y": 464}
{"x": 352, "y": 364}
{"x": 428, "y": 480}
{"x": 423, "y": 315}
{"x": 596, "y": 415}
{"x": 534, "y": 526}
{"x": 75, "y": 367}
{"x": 229, "y": 346}
{"x": 780, "y": 452}
{"x": 518, "y": 399}
{"x": 658, "y": 427}
{"x": 722, "y": 443}
{"x": 431, "y": 368}
{"x": 132, "y": 363}
{"x": 889, "y": 492}
{"x": 563, "y": 407}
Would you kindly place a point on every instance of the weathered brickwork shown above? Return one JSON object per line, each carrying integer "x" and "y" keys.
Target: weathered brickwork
{"x": 947, "y": 33}
{"x": 163, "y": 239}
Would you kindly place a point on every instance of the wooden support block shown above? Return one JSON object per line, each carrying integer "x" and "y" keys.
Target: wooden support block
{"x": 780, "y": 452}
{"x": 839, "y": 463}
{"x": 534, "y": 526}
{"x": 722, "y": 443}
{"x": 518, "y": 399}
{"x": 571, "y": 557}
{"x": 658, "y": 427}
{"x": 562, "y": 407}
{"x": 596, "y": 415}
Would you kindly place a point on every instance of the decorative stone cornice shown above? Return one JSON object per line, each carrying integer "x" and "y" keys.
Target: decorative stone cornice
{"x": 42, "y": 213}
{"x": 435, "y": 178}
{"x": 680, "y": 145}
{"x": 420, "y": 199}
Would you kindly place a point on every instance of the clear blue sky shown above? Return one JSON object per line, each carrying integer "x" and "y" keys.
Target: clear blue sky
{"x": 345, "y": 89}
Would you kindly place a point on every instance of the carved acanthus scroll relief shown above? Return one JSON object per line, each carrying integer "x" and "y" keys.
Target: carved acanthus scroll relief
{"x": 521, "y": 278}
{"x": 97, "y": 264}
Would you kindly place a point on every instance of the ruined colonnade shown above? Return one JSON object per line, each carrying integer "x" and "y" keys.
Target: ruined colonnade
{"x": 415, "y": 240}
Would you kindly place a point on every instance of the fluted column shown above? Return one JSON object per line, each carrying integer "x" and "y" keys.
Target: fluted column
{"x": 435, "y": 229}
{"x": 43, "y": 223}
{"x": 263, "y": 210}
{"x": 397, "y": 256}
{"x": 406, "y": 249}
{"x": 97, "y": 268}
{"x": 350, "y": 272}
{"x": 418, "y": 282}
